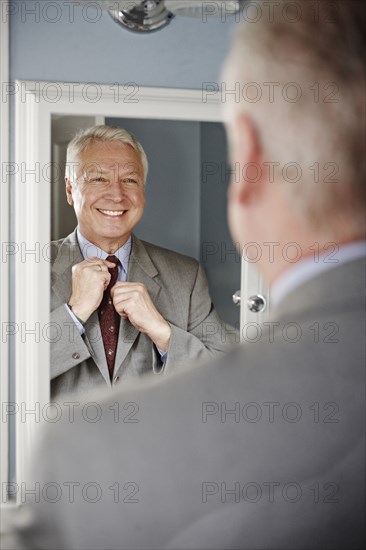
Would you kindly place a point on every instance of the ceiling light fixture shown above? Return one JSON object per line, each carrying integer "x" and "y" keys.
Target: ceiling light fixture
{"x": 144, "y": 16}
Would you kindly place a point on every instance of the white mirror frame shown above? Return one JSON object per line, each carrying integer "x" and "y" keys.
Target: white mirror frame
{"x": 35, "y": 104}
{"x": 4, "y": 237}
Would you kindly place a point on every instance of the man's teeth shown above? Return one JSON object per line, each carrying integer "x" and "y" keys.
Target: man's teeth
{"x": 112, "y": 212}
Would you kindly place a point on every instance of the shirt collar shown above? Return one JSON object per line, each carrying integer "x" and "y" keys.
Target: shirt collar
{"x": 90, "y": 250}
{"x": 312, "y": 266}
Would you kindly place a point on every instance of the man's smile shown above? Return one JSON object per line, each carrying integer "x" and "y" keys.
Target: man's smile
{"x": 112, "y": 213}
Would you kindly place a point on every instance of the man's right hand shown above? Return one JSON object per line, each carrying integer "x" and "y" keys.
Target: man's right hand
{"x": 90, "y": 278}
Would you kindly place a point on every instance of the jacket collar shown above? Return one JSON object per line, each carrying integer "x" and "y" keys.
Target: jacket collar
{"x": 335, "y": 290}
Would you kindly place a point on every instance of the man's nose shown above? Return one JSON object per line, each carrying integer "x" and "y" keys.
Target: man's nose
{"x": 116, "y": 190}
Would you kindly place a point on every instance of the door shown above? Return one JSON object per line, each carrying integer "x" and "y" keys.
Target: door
{"x": 254, "y": 300}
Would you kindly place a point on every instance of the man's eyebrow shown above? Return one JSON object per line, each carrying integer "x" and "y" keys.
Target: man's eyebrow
{"x": 106, "y": 170}
{"x": 92, "y": 174}
{"x": 132, "y": 172}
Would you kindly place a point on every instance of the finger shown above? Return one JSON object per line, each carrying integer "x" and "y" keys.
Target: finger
{"x": 127, "y": 286}
{"x": 119, "y": 301}
{"x": 94, "y": 260}
{"x": 99, "y": 268}
{"x": 102, "y": 265}
{"x": 119, "y": 293}
{"x": 104, "y": 273}
{"x": 121, "y": 311}
{"x": 132, "y": 284}
{"x": 108, "y": 263}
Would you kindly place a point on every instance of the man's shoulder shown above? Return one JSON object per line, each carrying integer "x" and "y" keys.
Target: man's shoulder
{"x": 172, "y": 257}
{"x": 65, "y": 250}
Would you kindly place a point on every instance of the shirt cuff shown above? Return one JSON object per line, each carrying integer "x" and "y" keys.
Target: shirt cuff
{"x": 163, "y": 354}
{"x": 78, "y": 324}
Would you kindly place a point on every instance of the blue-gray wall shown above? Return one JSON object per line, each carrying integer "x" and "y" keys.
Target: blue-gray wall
{"x": 172, "y": 214}
{"x": 217, "y": 252}
{"x": 74, "y": 49}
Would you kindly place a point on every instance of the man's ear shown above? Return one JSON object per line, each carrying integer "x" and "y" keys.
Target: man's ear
{"x": 248, "y": 153}
{"x": 69, "y": 197}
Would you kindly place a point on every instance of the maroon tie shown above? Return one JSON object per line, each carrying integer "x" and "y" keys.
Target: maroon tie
{"x": 109, "y": 319}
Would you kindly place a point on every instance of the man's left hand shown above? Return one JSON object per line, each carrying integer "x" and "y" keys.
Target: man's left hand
{"x": 132, "y": 301}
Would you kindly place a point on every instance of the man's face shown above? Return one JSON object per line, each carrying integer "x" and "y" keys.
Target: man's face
{"x": 107, "y": 193}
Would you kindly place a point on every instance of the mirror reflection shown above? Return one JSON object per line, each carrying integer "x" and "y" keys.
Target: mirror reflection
{"x": 134, "y": 306}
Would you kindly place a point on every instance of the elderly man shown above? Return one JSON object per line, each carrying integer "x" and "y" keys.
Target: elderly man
{"x": 126, "y": 307}
{"x": 264, "y": 449}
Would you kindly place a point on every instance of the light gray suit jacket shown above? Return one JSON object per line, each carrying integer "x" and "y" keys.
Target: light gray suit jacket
{"x": 177, "y": 286}
{"x": 261, "y": 450}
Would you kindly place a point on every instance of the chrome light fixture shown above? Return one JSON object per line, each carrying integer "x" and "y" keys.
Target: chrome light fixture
{"x": 142, "y": 15}
{"x": 145, "y": 16}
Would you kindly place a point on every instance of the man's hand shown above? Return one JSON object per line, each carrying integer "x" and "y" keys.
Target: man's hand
{"x": 90, "y": 278}
{"x": 132, "y": 301}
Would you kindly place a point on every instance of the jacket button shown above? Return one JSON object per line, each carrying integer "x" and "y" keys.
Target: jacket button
{"x": 76, "y": 355}
{"x": 115, "y": 379}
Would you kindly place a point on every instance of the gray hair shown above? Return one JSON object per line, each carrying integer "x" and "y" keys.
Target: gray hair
{"x": 320, "y": 53}
{"x": 84, "y": 138}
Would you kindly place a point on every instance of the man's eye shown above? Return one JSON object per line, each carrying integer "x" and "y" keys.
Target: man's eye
{"x": 98, "y": 180}
{"x": 131, "y": 181}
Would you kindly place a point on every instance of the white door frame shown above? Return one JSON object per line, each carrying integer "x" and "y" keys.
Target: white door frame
{"x": 4, "y": 236}
{"x": 35, "y": 104}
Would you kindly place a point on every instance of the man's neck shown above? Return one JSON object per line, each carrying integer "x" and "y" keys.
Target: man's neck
{"x": 107, "y": 245}
{"x": 106, "y": 248}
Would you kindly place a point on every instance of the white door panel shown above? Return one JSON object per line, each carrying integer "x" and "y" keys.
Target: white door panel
{"x": 252, "y": 286}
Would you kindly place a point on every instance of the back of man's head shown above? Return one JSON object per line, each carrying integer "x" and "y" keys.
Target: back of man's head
{"x": 301, "y": 69}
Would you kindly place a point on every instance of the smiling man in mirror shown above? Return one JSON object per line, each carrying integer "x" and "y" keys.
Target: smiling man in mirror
{"x": 125, "y": 307}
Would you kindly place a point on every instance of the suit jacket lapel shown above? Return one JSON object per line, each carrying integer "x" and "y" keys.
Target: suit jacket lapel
{"x": 142, "y": 270}
{"x": 65, "y": 257}
{"x": 95, "y": 339}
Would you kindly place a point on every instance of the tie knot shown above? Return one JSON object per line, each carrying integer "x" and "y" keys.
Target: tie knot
{"x": 113, "y": 259}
